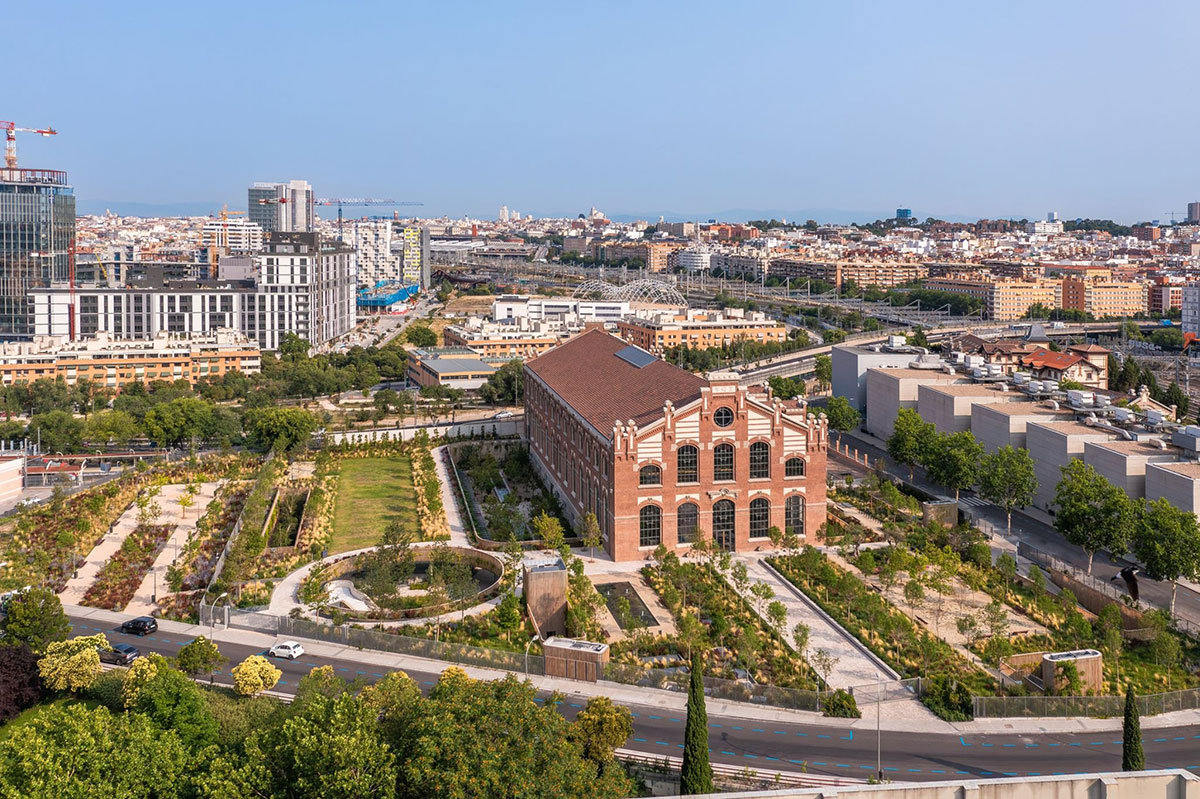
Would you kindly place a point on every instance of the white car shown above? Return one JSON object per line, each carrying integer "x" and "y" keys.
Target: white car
{"x": 503, "y": 415}
{"x": 288, "y": 649}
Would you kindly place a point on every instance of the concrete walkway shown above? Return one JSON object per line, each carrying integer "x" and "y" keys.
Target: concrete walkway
{"x": 143, "y": 602}
{"x": 855, "y": 664}
{"x": 450, "y": 500}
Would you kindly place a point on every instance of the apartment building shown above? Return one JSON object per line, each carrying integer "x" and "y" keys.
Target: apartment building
{"x": 411, "y": 245}
{"x": 113, "y": 363}
{"x": 753, "y": 263}
{"x": 534, "y": 310}
{"x": 653, "y": 254}
{"x": 300, "y": 284}
{"x": 372, "y": 241}
{"x": 1104, "y": 298}
{"x": 658, "y": 453}
{"x": 497, "y": 340}
{"x": 655, "y": 331}
{"x": 232, "y": 235}
{"x": 883, "y": 274}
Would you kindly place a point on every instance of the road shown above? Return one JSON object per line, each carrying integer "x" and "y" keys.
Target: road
{"x": 813, "y": 748}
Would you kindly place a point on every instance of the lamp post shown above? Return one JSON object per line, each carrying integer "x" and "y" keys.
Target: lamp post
{"x": 532, "y": 641}
{"x": 878, "y": 738}
{"x": 212, "y": 618}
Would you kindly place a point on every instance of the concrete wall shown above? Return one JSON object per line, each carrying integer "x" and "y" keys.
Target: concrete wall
{"x": 1004, "y": 424}
{"x": 1164, "y": 784}
{"x": 889, "y": 390}
{"x": 1052, "y": 445}
{"x": 948, "y": 408}
{"x": 850, "y": 365}
{"x": 1122, "y": 467}
{"x": 1178, "y": 483}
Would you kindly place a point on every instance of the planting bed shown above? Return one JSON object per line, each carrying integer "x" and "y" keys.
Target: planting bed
{"x": 121, "y": 576}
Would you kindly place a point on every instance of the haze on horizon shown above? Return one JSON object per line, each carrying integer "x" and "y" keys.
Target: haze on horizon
{"x": 957, "y": 110}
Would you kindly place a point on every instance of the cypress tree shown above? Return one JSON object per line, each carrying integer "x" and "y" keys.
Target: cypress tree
{"x": 1132, "y": 757}
{"x": 696, "y": 775}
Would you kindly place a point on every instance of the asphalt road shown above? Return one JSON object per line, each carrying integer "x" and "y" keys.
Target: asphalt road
{"x": 816, "y": 749}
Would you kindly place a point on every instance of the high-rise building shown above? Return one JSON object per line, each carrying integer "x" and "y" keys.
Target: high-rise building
{"x": 504, "y": 213}
{"x": 411, "y": 243}
{"x": 281, "y": 207}
{"x": 232, "y": 235}
{"x": 37, "y": 233}
{"x": 372, "y": 239}
{"x": 1193, "y": 214}
{"x": 903, "y": 214}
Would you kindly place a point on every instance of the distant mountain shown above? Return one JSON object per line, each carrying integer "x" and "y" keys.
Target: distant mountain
{"x": 124, "y": 208}
{"x": 823, "y": 215}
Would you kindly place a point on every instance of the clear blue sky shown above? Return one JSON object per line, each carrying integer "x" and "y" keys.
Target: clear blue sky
{"x": 953, "y": 108}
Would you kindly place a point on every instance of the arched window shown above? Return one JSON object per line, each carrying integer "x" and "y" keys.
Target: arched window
{"x": 688, "y": 521}
{"x": 724, "y": 524}
{"x": 760, "y": 459}
{"x": 760, "y": 517}
{"x": 793, "y": 515}
{"x": 651, "y": 526}
{"x": 687, "y": 465}
{"x": 650, "y": 476}
{"x": 794, "y": 467}
{"x": 723, "y": 462}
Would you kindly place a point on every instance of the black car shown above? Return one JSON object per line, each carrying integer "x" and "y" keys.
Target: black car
{"x": 142, "y": 625}
{"x": 120, "y": 654}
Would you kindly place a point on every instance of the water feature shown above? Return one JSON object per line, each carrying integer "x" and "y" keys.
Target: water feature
{"x": 613, "y": 593}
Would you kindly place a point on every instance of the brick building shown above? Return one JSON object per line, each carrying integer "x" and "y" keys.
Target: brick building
{"x": 658, "y": 453}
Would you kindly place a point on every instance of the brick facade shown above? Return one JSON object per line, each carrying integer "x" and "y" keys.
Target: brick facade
{"x": 610, "y": 471}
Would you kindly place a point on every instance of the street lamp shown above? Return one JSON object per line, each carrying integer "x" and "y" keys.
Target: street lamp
{"x": 532, "y": 641}
{"x": 212, "y": 618}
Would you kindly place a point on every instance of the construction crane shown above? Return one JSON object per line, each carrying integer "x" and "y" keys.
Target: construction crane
{"x": 341, "y": 202}
{"x": 10, "y": 140}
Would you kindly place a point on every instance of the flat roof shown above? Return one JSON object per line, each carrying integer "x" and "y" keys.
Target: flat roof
{"x": 1184, "y": 468}
{"x": 1028, "y": 408}
{"x": 909, "y": 373}
{"x": 455, "y": 365}
{"x": 1068, "y": 428}
{"x": 1143, "y": 447}
{"x": 967, "y": 389}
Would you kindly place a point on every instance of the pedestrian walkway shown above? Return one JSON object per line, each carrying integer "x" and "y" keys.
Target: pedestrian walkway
{"x": 855, "y": 664}
{"x": 450, "y": 499}
{"x": 155, "y": 582}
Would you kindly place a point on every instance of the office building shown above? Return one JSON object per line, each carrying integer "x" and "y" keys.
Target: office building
{"x": 532, "y": 310}
{"x": 1193, "y": 212}
{"x": 300, "y": 284}
{"x": 657, "y": 331}
{"x": 658, "y": 453}
{"x": 453, "y": 367}
{"x": 281, "y": 207}
{"x": 850, "y": 365}
{"x": 232, "y": 235}
{"x": 1044, "y": 227}
{"x": 112, "y": 363}
{"x": 37, "y": 233}
{"x": 904, "y": 214}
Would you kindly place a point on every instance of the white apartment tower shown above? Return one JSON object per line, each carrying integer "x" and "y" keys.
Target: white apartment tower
{"x": 373, "y": 240}
{"x": 232, "y": 235}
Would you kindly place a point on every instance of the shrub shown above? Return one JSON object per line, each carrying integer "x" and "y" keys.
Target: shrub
{"x": 254, "y": 675}
{"x": 948, "y": 698}
{"x": 841, "y": 705}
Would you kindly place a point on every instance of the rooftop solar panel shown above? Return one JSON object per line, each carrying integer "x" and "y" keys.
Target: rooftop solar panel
{"x": 636, "y": 356}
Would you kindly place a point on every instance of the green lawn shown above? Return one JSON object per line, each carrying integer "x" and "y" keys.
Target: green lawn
{"x": 371, "y": 492}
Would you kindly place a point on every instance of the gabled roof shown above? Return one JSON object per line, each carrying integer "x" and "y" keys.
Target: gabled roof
{"x": 1058, "y": 361}
{"x": 586, "y": 373}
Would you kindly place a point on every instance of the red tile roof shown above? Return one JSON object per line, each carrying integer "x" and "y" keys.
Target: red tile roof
{"x": 587, "y": 374}
{"x": 1046, "y": 359}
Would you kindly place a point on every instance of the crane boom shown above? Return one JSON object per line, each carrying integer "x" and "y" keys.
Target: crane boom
{"x": 10, "y": 140}
{"x": 341, "y": 202}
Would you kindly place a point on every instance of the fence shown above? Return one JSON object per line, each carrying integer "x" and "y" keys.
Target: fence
{"x": 1000, "y": 707}
{"x": 1048, "y": 561}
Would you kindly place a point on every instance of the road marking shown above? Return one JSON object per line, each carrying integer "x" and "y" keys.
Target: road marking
{"x": 963, "y": 741}
{"x": 849, "y": 737}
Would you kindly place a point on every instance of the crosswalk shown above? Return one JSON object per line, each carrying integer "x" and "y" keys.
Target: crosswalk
{"x": 973, "y": 502}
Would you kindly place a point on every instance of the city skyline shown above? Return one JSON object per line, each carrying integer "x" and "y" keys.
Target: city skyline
{"x": 683, "y": 110}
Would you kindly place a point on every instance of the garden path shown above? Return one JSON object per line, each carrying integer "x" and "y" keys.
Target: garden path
{"x": 144, "y": 601}
{"x": 855, "y": 665}
{"x": 85, "y": 575}
{"x": 454, "y": 520}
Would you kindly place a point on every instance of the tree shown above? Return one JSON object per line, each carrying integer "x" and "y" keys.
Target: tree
{"x": 508, "y": 613}
{"x": 1166, "y": 540}
{"x": 954, "y": 460}
{"x": 823, "y": 662}
{"x": 74, "y": 664}
{"x": 421, "y": 336}
{"x": 1007, "y": 479}
{"x": 696, "y": 775}
{"x": 254, "y": 675}
{"x": 549, "y": 530}
{"x": 777, "y": 615}
{"x": 823, "y": 370}
{"x": 842, "y": 415}
{"x": 20, "y": 683}
{"x": 800, "y": 635}
{"x": 910, "y": 440}
{"x": 35, "y": 617}
{"x": 140, "y": 672}
{"x": 600, "y": 728}
{"x": 1092, "y": 512}
{"x": 332, "y": 747}
{"x": 1006, "y": 564}
{"x": 282, "y": 429}
{"x": 589, "y": 532}
{"x": 1132, "y": 757}
{"x": 506, "y": 385}
{"x": 200, "y": 656}
{"x": 74, "y": 751}
{"x": 111, "y": 426}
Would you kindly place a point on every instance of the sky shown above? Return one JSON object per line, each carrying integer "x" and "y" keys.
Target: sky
{"x": 689, "y": 109}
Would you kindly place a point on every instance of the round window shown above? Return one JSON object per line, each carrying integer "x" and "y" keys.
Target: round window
{"x": 723, "y": 417}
